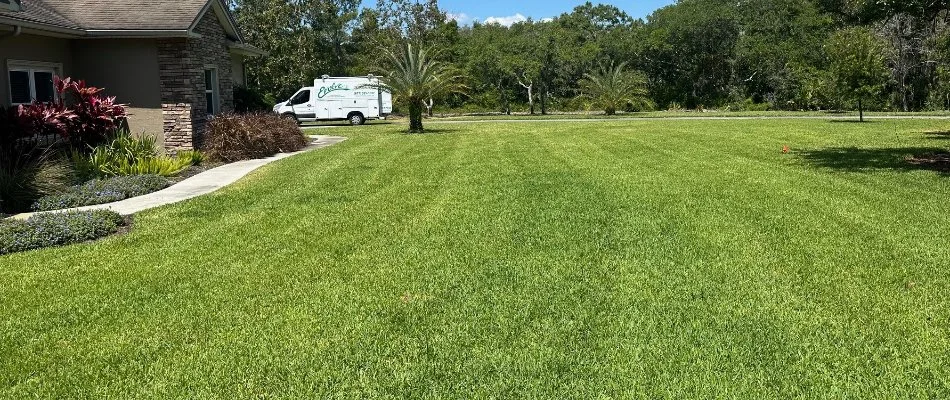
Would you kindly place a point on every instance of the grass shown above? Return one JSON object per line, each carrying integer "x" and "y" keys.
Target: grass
{"x": 689, "y": 114}
{"x": 599, "y": 115}
{"x": 646, "y": 259}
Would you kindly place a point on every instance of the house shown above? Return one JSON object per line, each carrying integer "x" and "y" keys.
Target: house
{"x": 174, "y": 62}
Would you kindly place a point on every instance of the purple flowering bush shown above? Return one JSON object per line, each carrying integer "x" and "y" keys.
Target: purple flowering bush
{"x": 57, "y": 229}
{"x": 101, "y": 191}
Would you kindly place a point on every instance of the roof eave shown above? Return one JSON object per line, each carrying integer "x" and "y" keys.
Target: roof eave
{"x": 43, "y": 29}
{"x": 138, "y": 33}
{"x": 223, "y": 16}
{"x": 245, "y": 49}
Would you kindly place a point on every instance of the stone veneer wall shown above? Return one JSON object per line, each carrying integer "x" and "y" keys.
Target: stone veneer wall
{"x": 182, "y": 65}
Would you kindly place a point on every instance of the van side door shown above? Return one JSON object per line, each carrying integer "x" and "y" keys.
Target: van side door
{"x": 302, "y": 105}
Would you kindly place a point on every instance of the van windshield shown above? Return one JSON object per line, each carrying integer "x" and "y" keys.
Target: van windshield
{"x": 300, "y": 98}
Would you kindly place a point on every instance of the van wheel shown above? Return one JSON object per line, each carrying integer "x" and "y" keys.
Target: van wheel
{"x": 357, "y": 119}
{"x": 291, "y": 116}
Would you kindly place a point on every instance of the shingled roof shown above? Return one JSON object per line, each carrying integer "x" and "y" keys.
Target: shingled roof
{"x": 37, "y": 11}
{"x": 91, "y": 16}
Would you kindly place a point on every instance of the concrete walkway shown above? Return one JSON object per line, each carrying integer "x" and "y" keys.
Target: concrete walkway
{"x": 203, "y": 183}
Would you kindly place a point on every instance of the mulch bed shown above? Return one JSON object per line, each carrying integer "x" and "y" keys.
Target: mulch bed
{"x": 195, "y": 170}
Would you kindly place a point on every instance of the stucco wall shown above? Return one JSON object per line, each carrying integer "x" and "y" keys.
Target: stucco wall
{"x": 32, "y": 48}
{"x": 147, "y": 121}
{"x": 127, "y": 69}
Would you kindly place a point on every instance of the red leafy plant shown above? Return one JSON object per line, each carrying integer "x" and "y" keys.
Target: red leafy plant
{"x": 79, "y": 115}
{"x": 31, "y": 137}
{"x": 95, "y": 118}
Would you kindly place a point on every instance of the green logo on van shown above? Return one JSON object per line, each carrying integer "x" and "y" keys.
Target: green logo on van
{"x": 336, "y": 87}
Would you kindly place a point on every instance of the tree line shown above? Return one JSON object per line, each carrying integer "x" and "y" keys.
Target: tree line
{"x": 736, "y": 54}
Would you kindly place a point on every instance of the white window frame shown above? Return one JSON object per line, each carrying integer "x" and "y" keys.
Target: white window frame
{"x": 215, "y": 91}
{"x": 30, "y": 67}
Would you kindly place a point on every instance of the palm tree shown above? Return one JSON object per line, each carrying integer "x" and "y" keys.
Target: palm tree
{"x": 614, "y": 87}
{"x": 413, "y": 77}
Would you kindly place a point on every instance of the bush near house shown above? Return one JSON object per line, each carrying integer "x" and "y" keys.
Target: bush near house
{"x": 249, "y": 100}
{"x": 28, "y": 172}
{"x": 101, "y": 191}
{"x": 78, "y": 116}
{"x": 125, "y": 155}
{"x": 31, "y": 164}
{"x": 234, "y": 137}
{"x": 28, "y": 168}
{"x": 56, "y": 229}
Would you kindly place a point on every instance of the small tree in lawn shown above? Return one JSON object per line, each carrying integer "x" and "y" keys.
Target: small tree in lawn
{"x": 614, "y": 87}
{"x": 413, "y": 77}
{"x": 857, "y": 65}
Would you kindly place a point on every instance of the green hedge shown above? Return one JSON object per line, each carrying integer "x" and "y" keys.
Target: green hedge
{"x": 56, "y": 229}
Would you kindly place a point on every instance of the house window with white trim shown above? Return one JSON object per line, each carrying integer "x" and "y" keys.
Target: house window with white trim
{"x": 31, "y": 81}
{"x": 212, "y": 95}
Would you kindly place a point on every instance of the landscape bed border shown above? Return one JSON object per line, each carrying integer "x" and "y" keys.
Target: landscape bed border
{"x": 203, "y": 183}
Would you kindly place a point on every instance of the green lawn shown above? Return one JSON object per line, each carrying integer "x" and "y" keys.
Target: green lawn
{"x": 636, "y": 259}
{"x": 598, "y": 114}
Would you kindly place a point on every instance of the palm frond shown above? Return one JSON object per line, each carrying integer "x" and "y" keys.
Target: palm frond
{"x": 613, "y": 87}
{"x": 412, "y": 75}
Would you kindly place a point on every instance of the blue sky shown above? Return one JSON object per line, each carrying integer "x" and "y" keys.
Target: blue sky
{"x": 507, "y": 11}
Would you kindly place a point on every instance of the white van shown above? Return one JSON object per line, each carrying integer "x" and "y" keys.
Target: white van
{"x": 341, "y": 99}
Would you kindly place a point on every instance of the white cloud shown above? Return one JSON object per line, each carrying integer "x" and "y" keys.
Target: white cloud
{"x": 461, "y": 18}
{"x": 547, "y": 19}
{"x": 506, "y": 21}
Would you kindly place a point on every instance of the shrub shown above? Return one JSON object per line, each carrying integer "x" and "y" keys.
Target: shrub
{"x": 614, "y": 87}
{"x": 79, "y": 116}
{"x": 163, "y": 166}
{"x": 37, "y": 121}
{"x": 749, "y": 105}
{"x": 101, "y": 191}
{"x": 193, "y": 156}
{"x": 234, "y": 137}
{"x": 28, "y": 172}
{"x": 29, "y": 168}
{"x": 56, "y": 229}
{"x": 127, "y": 155}
{"x": 250, "y": 100}
{"x": 96, "y": 117}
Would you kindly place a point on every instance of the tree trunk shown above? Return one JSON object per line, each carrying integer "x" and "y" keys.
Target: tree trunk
{"x": 530, "y": 88}
{"x": 505, "y": 107}
{"x": 415, "y": 117}
{"x": 543, "y": 98}
{"x": 860, "y": 110}
{"x": 531, "y": 97}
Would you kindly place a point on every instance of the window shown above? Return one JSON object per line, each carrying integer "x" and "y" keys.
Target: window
{"x": 31, "y": 81}
{"x": 300, "y": 98}
{"x": 43, "y": 86}
{"x": 212, "y": 98}
{"x": 10, "y": 5}
{"x": 20, "y": 87}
